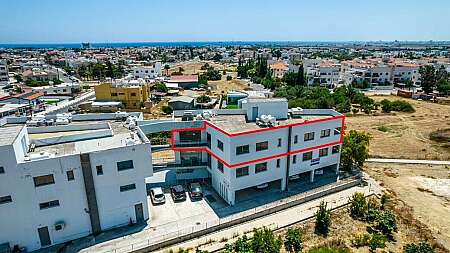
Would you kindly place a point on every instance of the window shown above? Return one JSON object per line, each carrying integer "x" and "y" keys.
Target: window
{"x": 99, "y": 169}
{"x": 260, "y": 146}
{"x": 243, "y": 171}
{"x": 279, "y": 142}
{"x": 336, "y": 149}
{"x": 70, "y": 175}
{"x": 337, "y": 130}
{"x": 185, "y": 171}
{"x": 220, "y": 145}
{"x": 242, "y": 150}
{"x": 208, "y": 140}
{"x": 294, "y": 159}
{"x": 190, "y": 136}
{"x": 2, "y": 169}
{"x": 260, "y": 167}
{"x": 50, "y": 204}
{"x": 5, "y": 199}
{"x": 125, "y": 165}
{"x": 220, "y": 166}
{"x": 309, "y": 136}
{"x": 325, "y": 133}
{"x": 113, "y": 94}
{"x": 278, "y": 163}
{"x": 307, "y": 156}
{"x": 296, "y": 139}
{"x": 209, "y": 160}
{"x": 323, "y": 152}
{"x": 133, "y": 94}
{"x": 43, "y": 180}
{"x": 127, "y": 187}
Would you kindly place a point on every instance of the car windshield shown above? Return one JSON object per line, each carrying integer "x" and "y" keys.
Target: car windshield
{"x": 159, "y": 196}
{"x": 195, "y": 189}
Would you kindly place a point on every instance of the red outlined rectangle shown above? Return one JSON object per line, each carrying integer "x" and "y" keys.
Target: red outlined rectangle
{"x": 207, "y": 123}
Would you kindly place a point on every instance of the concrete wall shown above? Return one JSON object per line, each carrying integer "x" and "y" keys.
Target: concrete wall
{"x": 72, "y": 138}
{"x": 67, "y": 128}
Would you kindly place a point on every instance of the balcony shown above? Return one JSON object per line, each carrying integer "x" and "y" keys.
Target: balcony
{"x": 188, "y": 144}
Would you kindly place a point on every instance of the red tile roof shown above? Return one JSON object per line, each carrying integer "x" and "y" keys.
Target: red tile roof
{"x": 183, "y": 79}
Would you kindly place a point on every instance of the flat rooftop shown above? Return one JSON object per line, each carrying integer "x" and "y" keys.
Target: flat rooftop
{"x": 9, "y": 133}
{"x": 120, "y": 138}
{"x": 237, "y": 123}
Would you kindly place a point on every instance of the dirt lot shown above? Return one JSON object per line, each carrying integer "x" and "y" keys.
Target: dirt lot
{"x": 424, "y": 190}
{"x": 405, "y": 135}
{"x": 191, "y": 68}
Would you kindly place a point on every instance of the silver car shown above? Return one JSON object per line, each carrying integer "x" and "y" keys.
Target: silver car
{"x": 157, "y": 196}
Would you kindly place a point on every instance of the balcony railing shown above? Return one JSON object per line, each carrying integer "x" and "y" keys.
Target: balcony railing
{"x": 189, "y": 144}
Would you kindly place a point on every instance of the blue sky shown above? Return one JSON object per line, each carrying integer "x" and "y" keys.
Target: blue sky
{"x": 48, "y": 21}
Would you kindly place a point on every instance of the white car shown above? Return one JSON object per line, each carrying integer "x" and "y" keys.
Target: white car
{"x": 157, "y": 196}
{"x": 318, "y": 172}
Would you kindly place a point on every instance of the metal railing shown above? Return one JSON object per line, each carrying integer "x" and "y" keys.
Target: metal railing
{"x": 171, "y": 233}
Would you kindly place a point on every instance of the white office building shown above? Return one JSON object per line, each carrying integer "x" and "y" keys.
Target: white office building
{"x": 259, "y": 144}
{"x": 63, "y": 182}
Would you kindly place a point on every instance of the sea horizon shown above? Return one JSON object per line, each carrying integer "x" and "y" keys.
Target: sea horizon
{"x": 74, "y": 45}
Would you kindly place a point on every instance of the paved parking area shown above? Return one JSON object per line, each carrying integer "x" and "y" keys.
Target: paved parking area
{"x": 173, "y": 216}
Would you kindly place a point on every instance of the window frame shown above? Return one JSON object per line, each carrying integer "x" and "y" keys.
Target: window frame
{"x": 70, "y": 175}
{"x": 127, "y": 187}
{"x": 259, "y": 165}
{"x": 338, "y": 147}
{"x": 323, "y": 152}
{"x": 220, "y": 166}
{"x": 49, "y": 204}
{"x": 264, "y": 147}
{"x": 244, "y": 171}
{"x": 99, "y": 170}
{"x": 219, "y": 144}
{"x": 124, "y": 162}
{"x": 52, "y": 181}
{"x": 309, "y": 136}
{"x": 243, "y": 151}
{"x": 307, "y": 156}
{"x": 5, "y": 199}
{"x": 325, "y": 133}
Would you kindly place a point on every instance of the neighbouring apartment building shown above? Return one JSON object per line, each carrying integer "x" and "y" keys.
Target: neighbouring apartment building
{"x": 260, "y": 143}
{"x": 4, "y": 76}
{"x": 150, "y": 71}
{"x": 132, "y": 94}
{"x": 56, "y": 189}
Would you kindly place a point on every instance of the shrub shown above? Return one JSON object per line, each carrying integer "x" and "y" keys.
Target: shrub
{"x": 377, "y": 241}
{"x": 422, "y": 247}
{"x": 402, "y": 106}
{"x": 386, "y": 106}
{"x": 358, "y": 205}
{"x": 361, "y": 240}
{"x": 160, "y": 87}
{"x": 386, "y": 222}
{"x": 293, "y": 240}
{"x": 264, "y": 240}
{"x": 323, "y": 220}
{"x": 383, "y": 128}
{"x": 167, "y": 109}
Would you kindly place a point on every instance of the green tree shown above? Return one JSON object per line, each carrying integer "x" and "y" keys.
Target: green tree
{"x": 355, "y": 149}
{"x": 166, "y": 68}
{"x": 293, "y": 240}
{"x": 160, "y": 87}
{"x": 386, "y": 106}
{"x": 203, "y": 99}
{"x": 217, "y": 57}
{"x": 443, "y": 86}
{"x": 242, "y": 245}
{"x": 441, "y": 73}
{"x": 358, "y": 205}
{"x": 422, "y": 247}
{"x": 427, "y": 78}
{"x": 265, "y": 241}
{"x": 300, "y": 76}
{"x": 167, "y": 109}
{"x": 323, "y": 220}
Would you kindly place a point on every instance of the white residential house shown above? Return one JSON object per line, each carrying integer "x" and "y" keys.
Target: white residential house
{"x": 148, "y": 71}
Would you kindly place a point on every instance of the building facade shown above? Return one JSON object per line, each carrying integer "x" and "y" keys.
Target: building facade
{"x": 53, "y": 193}
{"x": 235, "y": 152}
{"x": 132, "y": 95}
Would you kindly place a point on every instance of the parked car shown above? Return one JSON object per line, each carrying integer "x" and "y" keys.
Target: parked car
{"x": 178, "y": 193}
{"x": 294, "y": 177}
{"x": 195, "y": 191}
{"x": 157, "y": 196}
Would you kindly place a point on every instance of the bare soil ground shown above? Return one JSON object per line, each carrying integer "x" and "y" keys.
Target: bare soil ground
{"x": 420, "y": 192}
{"x": 192, "y": 68}
{"x": 405, "y": 135}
